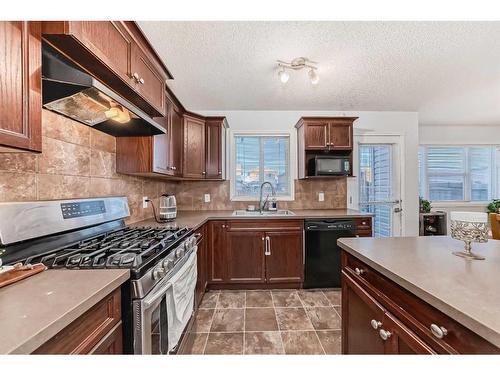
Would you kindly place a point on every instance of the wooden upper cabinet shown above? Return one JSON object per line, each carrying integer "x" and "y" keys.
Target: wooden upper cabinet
{"x": 340, "y": 135}
{"x": 176, "y": 142}
{"x": 285, "y": 259}
{"x": 20, "y": 86}
{"x": 316, "y": 135}
{"x": 118, "y": 54}
{"x": 194, "y": 147}
{"x": 215, "y": 129}
{"x": 245, "y": 257}
{"x": 148, "y": 80}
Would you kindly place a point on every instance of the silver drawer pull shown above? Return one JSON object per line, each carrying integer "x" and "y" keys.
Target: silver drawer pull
{"x": 359, "y": 271}
{"x": 439, "y": 332}
{"x": 384, "y": 335}
{"x": 376, "y": 324}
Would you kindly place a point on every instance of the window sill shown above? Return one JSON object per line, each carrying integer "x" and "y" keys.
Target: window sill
{"x": 256, "y": 199}
{"x": 445, "y": 204}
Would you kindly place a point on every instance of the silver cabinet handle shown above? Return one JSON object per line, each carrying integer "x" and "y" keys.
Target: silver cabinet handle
{"x": 223, "y": 225}
{"x": 268, "y": 246}
{"x": 359, "y": 271}
{"x": 220, "y": 172}
{"x": 141, "y": 81}
{"x": 439, "y": 332}
{"x": 136, "y": 76}
{"x": 376, "y": 324}
{"x": 384, "y": 335}
{"x": 203, "y": 172}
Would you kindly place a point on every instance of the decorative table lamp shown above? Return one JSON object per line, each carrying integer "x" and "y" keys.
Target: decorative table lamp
{"x": 469, "y": 227}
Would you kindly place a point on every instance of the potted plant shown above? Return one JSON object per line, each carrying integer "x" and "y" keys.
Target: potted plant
{"x": 425, "y": 205}
{"x": 494, "y": 209}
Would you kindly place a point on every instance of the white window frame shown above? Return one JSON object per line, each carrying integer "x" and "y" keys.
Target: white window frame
{"x": 232, "y": 166}
{"x": 467, "y": 175}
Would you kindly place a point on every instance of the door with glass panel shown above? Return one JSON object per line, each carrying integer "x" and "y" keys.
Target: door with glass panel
{"x": 380, "y": 183}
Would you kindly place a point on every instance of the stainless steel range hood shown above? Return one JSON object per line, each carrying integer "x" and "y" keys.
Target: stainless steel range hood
{"x": 75, "y": 94}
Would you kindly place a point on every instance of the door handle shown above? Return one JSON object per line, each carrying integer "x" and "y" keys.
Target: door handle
{"x": 268, "y": 246}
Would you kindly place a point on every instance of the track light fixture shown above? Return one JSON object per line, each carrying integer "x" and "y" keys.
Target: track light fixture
{"x": 298, "y": 64}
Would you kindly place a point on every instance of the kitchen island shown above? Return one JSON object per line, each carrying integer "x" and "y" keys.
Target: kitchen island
{"x": 407, "y": 295}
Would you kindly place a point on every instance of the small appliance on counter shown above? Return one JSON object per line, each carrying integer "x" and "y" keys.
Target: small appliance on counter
{"x": 168, "y": 207}
{"x": 433, "y": 223}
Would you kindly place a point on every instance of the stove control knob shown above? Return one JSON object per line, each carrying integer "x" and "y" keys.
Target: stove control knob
{"x": 158, "y": 273}
{"x": 168, "y": 264}
{"x": 187, "y": 244}
{"x": 179, "y": 252}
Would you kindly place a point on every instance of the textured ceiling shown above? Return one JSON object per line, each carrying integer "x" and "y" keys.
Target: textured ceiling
{"x": 449, "y": 72}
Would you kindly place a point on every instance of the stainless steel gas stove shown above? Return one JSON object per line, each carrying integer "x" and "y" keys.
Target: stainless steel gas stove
{"x": 91, "y": 234}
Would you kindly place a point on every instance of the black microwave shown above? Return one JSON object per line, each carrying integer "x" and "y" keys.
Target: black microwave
{"x": 332, "y": 165}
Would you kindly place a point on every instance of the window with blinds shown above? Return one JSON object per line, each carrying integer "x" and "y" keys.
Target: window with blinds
{"x": 458, "y": 173}
{"x": 259, "y": 159}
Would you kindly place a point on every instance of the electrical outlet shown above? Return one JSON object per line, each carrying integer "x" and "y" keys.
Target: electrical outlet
{"x": 144, "y": 202}
{"x": 321, "y": 196}
{"x": 207, "y": 198}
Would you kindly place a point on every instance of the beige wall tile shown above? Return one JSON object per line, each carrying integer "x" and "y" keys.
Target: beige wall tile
{"x": 64, "y": 158}
{"x": 102, "y": 163}
{"x": 64, "y": 129}
{"x": 15, "y": 186}
{"x": 102, "y": 141}
{"x": 18, "y": 162}
{"x": 62, "y": 187}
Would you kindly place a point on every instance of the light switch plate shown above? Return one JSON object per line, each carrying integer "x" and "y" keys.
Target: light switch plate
{"x": 144, "y": 202}
{"x": 207, "y": 198}
{"x": 321, "y": 196}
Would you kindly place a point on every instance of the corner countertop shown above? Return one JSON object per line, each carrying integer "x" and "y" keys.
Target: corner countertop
{"x": 195, "y": 219}
{"x": 467, "y": 291}
{"x": 35, "y": 309}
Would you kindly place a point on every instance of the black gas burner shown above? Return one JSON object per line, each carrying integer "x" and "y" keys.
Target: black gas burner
{"x": 123, "y": 248}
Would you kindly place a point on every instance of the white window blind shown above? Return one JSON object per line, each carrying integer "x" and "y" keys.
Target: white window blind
{"x": 259, "y": 159}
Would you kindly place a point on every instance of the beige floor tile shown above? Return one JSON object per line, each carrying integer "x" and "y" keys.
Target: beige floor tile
{"x": 293, "y": 318}
{"x": 260, "y": 319}
{"x": 259, "y": 299}
{"x": 313, "y": 298}
{"x": 286, "y": 298}
{"x": 224, "y": 343}
{"x": 195, "y": 343}
{"x": 338, "y": 309}
{"x": 301, "y": 342}
{"x": 331, "y": 341}
{"x": 323, "y": 317}
{"x": 209, "y": 300}
{"x": 334, "y": 296}
{"x": 228, "y": 320}
{"x": 231, "y": 300}
{"x": 203, "y": 320}
{"x": 263, "y": 343}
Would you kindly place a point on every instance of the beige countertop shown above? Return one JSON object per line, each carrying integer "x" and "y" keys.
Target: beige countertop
{"x": 467, "y": 291}
{"x": 33, "y": 310}
{"x": 194, "y": 219}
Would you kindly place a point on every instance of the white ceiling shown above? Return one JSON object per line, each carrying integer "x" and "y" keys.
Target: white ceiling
{"x": 449, "y": 72}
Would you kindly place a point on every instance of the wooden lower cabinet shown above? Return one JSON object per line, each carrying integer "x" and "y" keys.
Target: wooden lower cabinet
{"x": 379, "y": 316}
{"x": 201, "y": 282}
{"x": 97, "y": 331}
{"x": 255, "y": 253}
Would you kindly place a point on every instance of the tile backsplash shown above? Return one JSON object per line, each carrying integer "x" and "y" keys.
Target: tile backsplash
{"x": 76, "y": 162}
{"x": 79, "y": 162}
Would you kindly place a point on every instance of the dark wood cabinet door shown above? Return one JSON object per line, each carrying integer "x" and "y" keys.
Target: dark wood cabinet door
{"x": 109, "y": 41}
{"x": 201, "y": 282}
{"x": 316, "y": 135}
{"x": 149, "y": 82}
{"x": 176, "y": 142}
{"x": 401, "y": 339}
{"x": 245, "y": 257}
{"x": 216, "y": 241}
{"x": 285, "y": 257}
{"x": 359, "y": 309}
{"x": 340, "y": 135}
{"x": 194, "y": 148}
{"x": 213, "y": 151}
{"x": 20, "y": 85}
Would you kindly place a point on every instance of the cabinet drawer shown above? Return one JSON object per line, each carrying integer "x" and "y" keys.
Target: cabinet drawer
{"x": 86, "y": 331}
{"x": 416, "y": 313}
{"x": 363, "y": 223}
{"x": 265, "y": 225}
{"x": 112, "y": 343}
{"x": 364, "y": 233}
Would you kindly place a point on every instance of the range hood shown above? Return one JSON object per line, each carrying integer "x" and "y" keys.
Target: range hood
{"x": 73, "y": 93}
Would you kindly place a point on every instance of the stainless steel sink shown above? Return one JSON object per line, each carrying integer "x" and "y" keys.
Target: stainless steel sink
{"x": 263, "y": 213}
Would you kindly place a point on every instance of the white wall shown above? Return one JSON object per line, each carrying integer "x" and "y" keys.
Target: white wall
{"x": 404, "y": 124}
{"x": 459, "y": 134}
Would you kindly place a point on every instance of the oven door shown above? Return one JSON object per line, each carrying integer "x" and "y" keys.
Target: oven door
{"x": 150, "y": 322}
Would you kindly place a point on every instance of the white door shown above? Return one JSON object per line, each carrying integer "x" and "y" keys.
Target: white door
{"x": 379, "y": 182}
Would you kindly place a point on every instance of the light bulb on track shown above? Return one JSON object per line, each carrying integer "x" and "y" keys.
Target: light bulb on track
{"x": 313, "y": 76}
{"x": 283, "y": 75}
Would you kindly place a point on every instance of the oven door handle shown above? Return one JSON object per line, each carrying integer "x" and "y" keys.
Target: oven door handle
{"x": 151, "y": 300}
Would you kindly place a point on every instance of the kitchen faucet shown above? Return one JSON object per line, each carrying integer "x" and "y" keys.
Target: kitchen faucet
{"x": 263, "y": 205}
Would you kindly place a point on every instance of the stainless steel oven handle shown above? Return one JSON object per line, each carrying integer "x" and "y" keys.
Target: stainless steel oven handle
{"x": 149, "y": 301}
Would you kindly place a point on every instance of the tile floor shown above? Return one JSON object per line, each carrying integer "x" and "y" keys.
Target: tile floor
{"x": 267, "y": 322}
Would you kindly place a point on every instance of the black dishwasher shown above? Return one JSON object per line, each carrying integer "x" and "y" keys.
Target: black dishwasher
{"x": 322, "y": 254}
